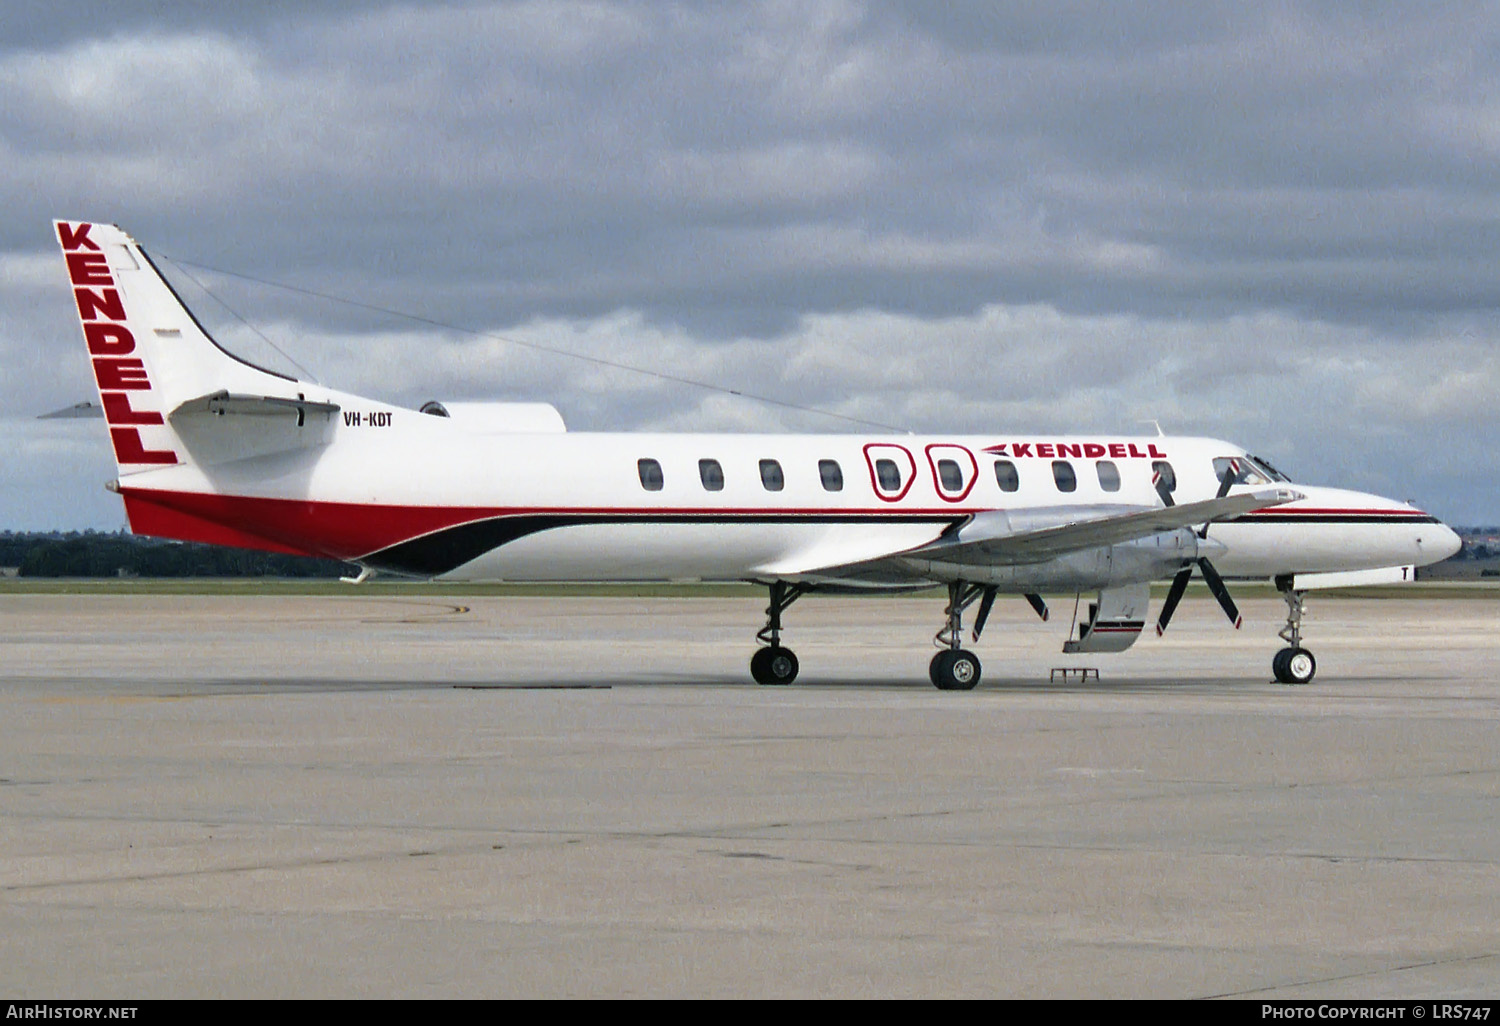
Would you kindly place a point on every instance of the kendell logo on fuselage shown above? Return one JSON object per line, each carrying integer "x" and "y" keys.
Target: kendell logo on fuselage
{"x": 1077, "y": 450}
{"x": 110, "y": 344}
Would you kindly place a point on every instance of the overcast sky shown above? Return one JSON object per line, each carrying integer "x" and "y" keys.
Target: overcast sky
{"x": 1274, "y": 223}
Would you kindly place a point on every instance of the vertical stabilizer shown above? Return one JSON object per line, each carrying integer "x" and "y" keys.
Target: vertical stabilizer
{"x": 149, "y": 354}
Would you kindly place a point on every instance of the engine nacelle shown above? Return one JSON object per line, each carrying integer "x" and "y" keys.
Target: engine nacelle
{"x": 500, "y": 418}
{"x": 1144, "y": 559}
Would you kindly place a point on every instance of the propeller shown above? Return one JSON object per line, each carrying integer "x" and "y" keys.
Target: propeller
{"x": 1039, "y": 606}
{"x": 1232, "y": 474}
{"x": 987, "y": 602}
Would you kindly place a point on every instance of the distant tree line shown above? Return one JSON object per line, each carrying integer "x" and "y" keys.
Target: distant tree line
{"x": 100, "y": 554}
{"x": 1476, "y": 550}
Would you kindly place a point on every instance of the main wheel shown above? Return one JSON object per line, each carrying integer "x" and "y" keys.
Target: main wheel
{"x": 774, "y": 665}
{"x": 1294, "y": 666}
{"x": 954, "y": 669}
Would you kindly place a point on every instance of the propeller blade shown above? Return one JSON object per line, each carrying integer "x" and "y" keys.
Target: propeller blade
{"x": 984, "y": 610}
{"x": 1162, "y": 490}
{"x": 1174, "y": 596}
{"x": 1231, "y": 476}
{"x": 1039, "y": 606}
{"x": 1216, "y": 585}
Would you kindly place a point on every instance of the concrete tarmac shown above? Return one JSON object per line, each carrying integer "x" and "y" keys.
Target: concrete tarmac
{"x": 569, "y": 797}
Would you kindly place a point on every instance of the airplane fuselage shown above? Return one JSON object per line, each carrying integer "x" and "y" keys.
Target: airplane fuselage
{"x": 413, "y": 494}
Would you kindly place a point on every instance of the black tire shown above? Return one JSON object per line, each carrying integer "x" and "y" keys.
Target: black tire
{"x": 954, "y": 669}
{"x": 774, "y": 665}
{"x": 1294, "y": 666}
{"x": 1278, "y": 666}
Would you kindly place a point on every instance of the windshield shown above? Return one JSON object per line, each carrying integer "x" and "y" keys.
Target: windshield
{"x": 1266, "y": 466}
{"x": 1246, "y": 470}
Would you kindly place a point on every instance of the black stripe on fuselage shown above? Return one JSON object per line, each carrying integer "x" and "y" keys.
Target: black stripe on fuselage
{"x": 1329, "y": 518}
{"x": 448, "y": 549}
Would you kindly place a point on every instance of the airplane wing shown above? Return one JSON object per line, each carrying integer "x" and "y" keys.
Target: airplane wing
{"x": 1016, "y": 537}
{"x": 999, "y": 537}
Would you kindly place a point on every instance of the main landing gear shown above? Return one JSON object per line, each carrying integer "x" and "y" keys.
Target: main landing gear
{"x": 954, "y": 668}
{"x": 1294, "y": 664}
{"x": 775, "y": 664}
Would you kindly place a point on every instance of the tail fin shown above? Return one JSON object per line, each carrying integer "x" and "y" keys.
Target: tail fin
{"x": 151, "y": 357}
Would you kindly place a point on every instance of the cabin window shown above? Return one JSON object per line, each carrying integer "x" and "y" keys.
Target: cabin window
{"x": 1006, "y": 476}
{"x": 1168, "y": 476}
{"x": 888, "y": 475}
{"x": 832, "y": 475}
{"x": 770, "y": 476}
{"x": 1062, "y": 473}
{"x": 711, "y": 474}
{"x": 949, "y": 476}
{"x": 650, "y": 471}
{"x": 1109, "y": 475}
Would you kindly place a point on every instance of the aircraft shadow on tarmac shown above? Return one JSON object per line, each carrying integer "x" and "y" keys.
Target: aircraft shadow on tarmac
{"x": 1015, "y": 685}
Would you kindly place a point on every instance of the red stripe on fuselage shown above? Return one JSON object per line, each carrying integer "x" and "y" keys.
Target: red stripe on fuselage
{"x": 341, "y": 530}
{"x": 346, "y": 530}
{"x": 1318, "y": 511}
{"x": 149, "y": 517}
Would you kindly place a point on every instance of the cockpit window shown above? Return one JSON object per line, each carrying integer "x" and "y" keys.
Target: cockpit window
{"x": 1271, "y": 472}
{"x": 1240, "y": 470}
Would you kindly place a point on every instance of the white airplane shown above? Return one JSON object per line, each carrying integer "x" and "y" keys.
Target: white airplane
{"x": 211, "y": 448}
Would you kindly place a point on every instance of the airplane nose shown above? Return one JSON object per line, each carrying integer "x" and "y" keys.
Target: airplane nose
{"x": 1446, "y": 543}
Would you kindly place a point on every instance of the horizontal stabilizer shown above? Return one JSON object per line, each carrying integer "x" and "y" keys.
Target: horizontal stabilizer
{"x": 224, "y": 402}
{"x": 225, "y": 426}
{"x": 78, "y": 411}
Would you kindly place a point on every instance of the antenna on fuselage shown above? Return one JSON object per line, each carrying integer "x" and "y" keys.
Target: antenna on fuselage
{"x": 181, "y": 264}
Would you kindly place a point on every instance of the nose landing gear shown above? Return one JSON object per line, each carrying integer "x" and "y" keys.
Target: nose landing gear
{"x": 1294, "y": 664}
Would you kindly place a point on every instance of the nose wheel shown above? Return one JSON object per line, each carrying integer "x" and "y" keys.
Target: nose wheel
{"x": 1293, "y": 664}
